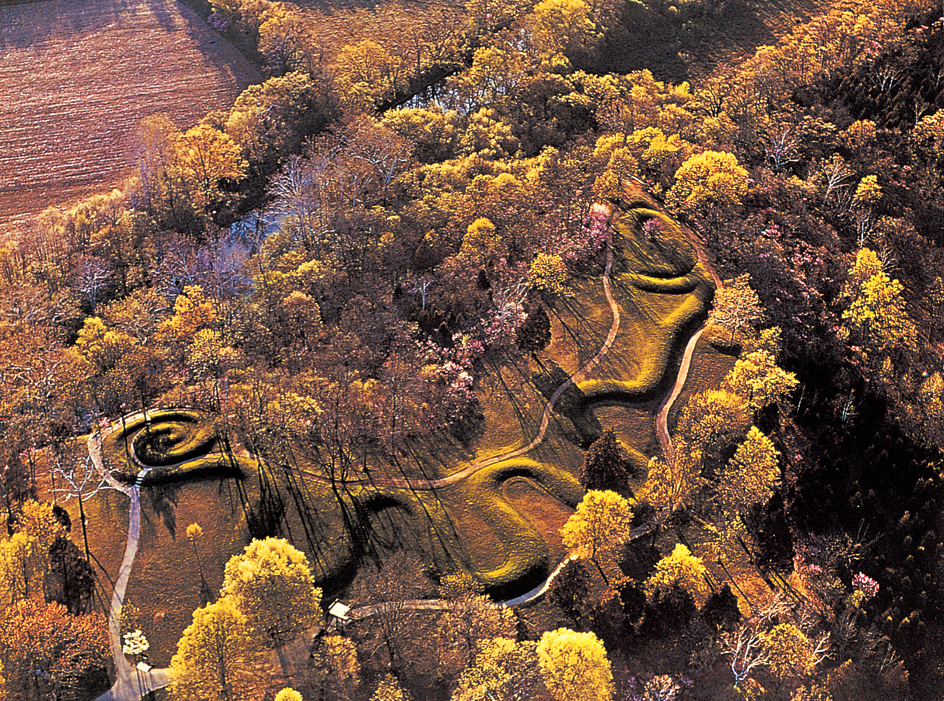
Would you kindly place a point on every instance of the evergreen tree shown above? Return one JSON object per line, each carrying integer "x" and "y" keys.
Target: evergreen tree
{"x": 606, "y": 467}
{"x": 534, "y": 334}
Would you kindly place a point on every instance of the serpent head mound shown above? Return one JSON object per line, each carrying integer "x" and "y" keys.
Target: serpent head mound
{"x": 491, "y": 504}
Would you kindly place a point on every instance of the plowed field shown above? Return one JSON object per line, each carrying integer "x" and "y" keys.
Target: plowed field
{"x": 77, "y": 77}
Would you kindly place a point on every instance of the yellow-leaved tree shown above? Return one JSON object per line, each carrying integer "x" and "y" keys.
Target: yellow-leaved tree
{"x": 335, "y": 670}
{"x": 288, "y": 694}
{"x": 215, "y": 656}
{"x": 598, "y": 529}
{"x": 875, "y": 319}
{"x": 193, "y": 310}
{"x": 100, "y": 346}
{"x": 749, "y": 479}
{"x": 757, "y": 377}
{"x": 271, "y": 584}
{"x": 502, "y": 667}
{"x": 24, "y": 558}
{"x": 711, "y": 421}
{"x": 366, "y": 73}
{"x": 710, "y": 180}
{"x": 480, "y": 242}
{"x": 389, "y": 689}
{"x": 791, "y": 652}
{"x": 659, "y": 156}
{"x": 681, "y": 569}
{"x": 38, "y": 520}
{"x": 289, "y": 41}
{"x": 621, "y": 169}
{"x": 548, "y": 274}
{"x": 868, "y": 192}
{"x": 271, "y": 119}
{"x": 736, "y": 308}
{"x": 22, "y": 562}
{"x": 562, "y": 28}
{"x": 205, "y": 157}
{"x": 751, "y": 476}
{"x": 574, "y": 665}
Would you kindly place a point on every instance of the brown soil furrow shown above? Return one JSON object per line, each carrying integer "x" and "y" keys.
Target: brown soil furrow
{"x": 75, "y": 80}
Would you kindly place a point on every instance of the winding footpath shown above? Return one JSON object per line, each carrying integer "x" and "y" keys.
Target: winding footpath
{"x": 662, "y": 417}
{"x": 472, "y": 468}
{"x": 131, "y": 684}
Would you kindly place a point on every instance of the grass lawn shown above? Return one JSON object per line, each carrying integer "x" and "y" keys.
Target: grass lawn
{"x": 501, "y": 522}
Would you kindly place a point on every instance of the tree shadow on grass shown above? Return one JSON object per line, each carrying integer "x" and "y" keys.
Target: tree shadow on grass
{"x": 161, "y": 499}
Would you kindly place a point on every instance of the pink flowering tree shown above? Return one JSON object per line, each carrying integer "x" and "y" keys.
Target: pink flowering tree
{"x": 865, "y": 584}
{"x": 581, "y": 243}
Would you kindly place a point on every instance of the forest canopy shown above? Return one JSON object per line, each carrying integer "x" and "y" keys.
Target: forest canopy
{"x": 395, "y": 257}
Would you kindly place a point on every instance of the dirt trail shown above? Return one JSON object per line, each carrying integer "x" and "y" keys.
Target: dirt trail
{"x": 131, "y": 685}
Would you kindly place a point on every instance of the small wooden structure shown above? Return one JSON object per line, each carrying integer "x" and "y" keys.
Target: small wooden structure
{"x": 337, "y": 615}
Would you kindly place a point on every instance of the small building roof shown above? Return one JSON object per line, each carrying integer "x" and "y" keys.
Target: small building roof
{"x": 339, "y": 610}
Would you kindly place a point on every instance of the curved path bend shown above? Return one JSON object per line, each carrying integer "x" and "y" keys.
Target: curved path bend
{"x": 662, "y": 417}
{"x": 131, "y": 684}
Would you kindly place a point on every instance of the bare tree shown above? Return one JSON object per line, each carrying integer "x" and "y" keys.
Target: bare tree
{"x": 421, "y": 287}
{"x": 393, "y": 625}
{"x": 91, "y": 277}
{"x": 747, "y": 651}
{"x": 781, "y": 147}
{"x": 79, "y": 480}
{"x": 836, "y": 176}
{"x": 384, "y": 150}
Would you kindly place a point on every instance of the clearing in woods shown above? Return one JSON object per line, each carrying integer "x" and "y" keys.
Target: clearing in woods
{"x": 491, "y": 504}
{"x": 76, "y": 78}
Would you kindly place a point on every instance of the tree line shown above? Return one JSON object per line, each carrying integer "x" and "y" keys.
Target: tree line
{"x": 397, "y": 249}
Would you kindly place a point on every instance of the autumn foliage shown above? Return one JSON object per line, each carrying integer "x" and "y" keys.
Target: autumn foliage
{"x": 378, "y": 264}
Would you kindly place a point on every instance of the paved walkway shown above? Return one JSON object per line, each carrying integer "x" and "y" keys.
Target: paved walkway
{"x": 662, "y": 418}
{"x": 131, "y": 684}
